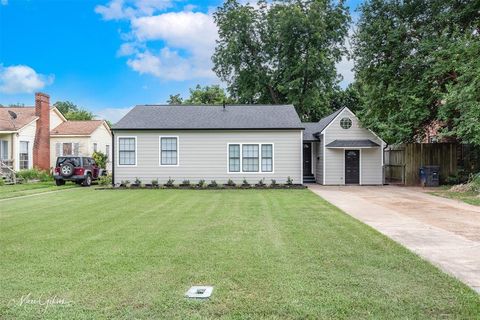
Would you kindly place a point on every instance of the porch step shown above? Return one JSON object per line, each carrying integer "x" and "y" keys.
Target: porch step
{"x": 309, "y": 179}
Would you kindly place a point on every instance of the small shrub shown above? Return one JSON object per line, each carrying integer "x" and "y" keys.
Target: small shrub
{"x": 169, "y": 183}
{"x": 138, "y": 182}
{"x": 213, "y": 184}
{"x": 125, "y": 183}
{"x": 185, "y": 183}
{"x": 289, "y": 181}
{"x": 100, "y": 159}
{"x": 245, "y": 183}
{"x": 230, "y": 183}
{"x": 34, "y": 174}
{"x": 155, "y": 182}
{"x": 105, "y": 180}
{"x": 201, "y": 183}
{"x": 261, "y": 183}
{"x": 274, "y": 183}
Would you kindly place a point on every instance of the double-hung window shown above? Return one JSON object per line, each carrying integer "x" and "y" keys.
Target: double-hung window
{"x": 168, "y": 151}
{"x": 4, "y": 150}
{"x": 24, "y": 155}
{"x": 127, "y": 151}
{"x": 234, "y": 158}
{"x": 250, "y": 157}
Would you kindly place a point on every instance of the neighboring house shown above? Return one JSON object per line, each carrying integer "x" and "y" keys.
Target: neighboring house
{"x": 27, "y": 141}
{"x": 80, "y": 138}
{"x": 251, "y": 142}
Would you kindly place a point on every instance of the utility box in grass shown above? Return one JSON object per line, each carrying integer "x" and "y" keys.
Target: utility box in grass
{"x": 429, "y": 176}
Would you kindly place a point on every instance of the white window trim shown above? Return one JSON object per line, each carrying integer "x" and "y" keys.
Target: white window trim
{"x": 259, "y": 158}
{"x": 160, "y": 152}
{"x": 118, "y": 152}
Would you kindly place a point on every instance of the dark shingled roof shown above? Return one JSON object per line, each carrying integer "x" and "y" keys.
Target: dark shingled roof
{"x": 311, "y": 128}
{"x": 210, "y": 117}
{"x": 352, "y": 144}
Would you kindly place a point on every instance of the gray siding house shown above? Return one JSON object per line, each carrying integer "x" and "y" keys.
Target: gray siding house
{"x": 238, "y": 142}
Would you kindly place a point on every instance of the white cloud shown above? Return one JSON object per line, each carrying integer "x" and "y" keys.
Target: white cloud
{"x": 127, "y": 49}
{"x": 112, "y": 114}
{"x": 128, "y": 9}
{"x": 22, "y": 79}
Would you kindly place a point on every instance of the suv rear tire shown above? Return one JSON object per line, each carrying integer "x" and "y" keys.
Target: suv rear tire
{"x": 88, "y": 181}
{"x": 66, "y": 169}
{"x": 59, "y": 182}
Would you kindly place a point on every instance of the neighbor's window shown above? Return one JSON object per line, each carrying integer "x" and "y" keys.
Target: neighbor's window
{"x": 250, "y": 157}
{"x": 94, "y": 147}
{"x": 24, "y": 155}
{"x": 107, "y": 151}
{"x": 126, "y": 151}
{"x": 234, "y": 158}
{"x": 67, "y": 149}
{"x": 3, "y": 150}
{"x": 169, "y": 152}
{"x": 346, "y": 123}
{"x": 267, "y": 158}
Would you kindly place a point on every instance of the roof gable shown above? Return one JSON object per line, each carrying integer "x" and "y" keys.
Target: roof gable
{"x": 25, "y": 115}
{"x": 190, "y": 117}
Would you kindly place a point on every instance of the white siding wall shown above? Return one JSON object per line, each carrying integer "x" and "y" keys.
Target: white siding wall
{"x": 102, "y": 137}
{"x": 55, "y": 119}
{"x": 27, "y": 133}
{"x": 203, "y": 155}
{"x": 371, "y": 159}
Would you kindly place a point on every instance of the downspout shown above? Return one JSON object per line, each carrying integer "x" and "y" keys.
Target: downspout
{"x": 113, "y": 158}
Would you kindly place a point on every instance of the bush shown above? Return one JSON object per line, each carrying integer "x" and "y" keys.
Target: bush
{"x": 100, "y": 158}
{"x": 138, "y": 182}
{"x": 155, "y": 182}
{"x": 125, "y": 183}
{"x": 105, "y": 180}
{"x": 34, "y": 174}
{"x": 169, "y": 183}
{"x": 245, "y": 183}
{"x": 230, "y": 183}
{"x": 289, "y": 181}
{"x": 213, "y": 184}
{"x": 261, "y": 183}
{"x": 185, "y": 183}
{"x": 201, "y": 183}
{"x": 274, "y": 183}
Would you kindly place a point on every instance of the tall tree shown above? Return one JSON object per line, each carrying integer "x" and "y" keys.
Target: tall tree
{"x": 282, "y": 52}
{"x": 403, "y": 54}
{"x": 213, "y": 94}
{"x": 73, "y": 112}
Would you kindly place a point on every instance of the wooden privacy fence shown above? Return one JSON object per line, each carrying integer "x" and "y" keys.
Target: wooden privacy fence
{"x": 402, "y": 162}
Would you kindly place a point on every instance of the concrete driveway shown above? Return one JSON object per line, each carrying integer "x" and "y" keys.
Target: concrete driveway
{"x": 443, "y": 231}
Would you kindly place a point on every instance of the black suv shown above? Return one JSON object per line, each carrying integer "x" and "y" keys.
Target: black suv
{"x": 82, "y": 170}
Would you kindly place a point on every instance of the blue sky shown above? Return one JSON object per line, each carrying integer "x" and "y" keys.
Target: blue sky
{"x": 110, "y": 55}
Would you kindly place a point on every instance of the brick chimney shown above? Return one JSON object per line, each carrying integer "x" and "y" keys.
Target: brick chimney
{"x": 41, "y": 146}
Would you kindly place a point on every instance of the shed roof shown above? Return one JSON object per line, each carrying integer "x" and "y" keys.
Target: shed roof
{"x": 365, "y": 143}
{"x": 190, "y": 117}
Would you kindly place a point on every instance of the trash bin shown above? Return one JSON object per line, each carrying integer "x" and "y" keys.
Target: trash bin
{"x": 429, "y": 176}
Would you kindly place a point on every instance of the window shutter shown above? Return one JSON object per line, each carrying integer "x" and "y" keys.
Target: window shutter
{"x": 75, "y": 149}
{"x": 58, "y": 149}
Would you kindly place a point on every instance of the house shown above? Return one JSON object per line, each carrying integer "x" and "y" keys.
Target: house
{"x": 31, "y": 136}
{"x": 238, "y": 142}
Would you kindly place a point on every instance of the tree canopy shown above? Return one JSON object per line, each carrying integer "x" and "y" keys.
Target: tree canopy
{"x": 73, "y": 112}
{"x": 416, "y": 63}
{"x": 213, "y": 94}
{"x": 282, "y": 52}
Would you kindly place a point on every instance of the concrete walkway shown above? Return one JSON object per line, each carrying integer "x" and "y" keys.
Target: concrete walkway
{"x": 443, "y": 231}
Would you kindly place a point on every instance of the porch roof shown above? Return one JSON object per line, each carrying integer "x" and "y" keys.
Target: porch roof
{"x": 366, "y": 143}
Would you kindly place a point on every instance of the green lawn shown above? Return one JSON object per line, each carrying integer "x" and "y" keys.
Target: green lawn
{"x": 269, "y": 253}
{"x": 17, "y": 190}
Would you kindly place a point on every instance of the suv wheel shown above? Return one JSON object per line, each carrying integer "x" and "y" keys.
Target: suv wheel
{"x": 66, "y": 169}
{"x": 88, "y": 181}
{"x": 60, "y": 182}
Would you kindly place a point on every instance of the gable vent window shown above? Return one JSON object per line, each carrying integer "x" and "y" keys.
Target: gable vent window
{"x": 346, "y": 123}
{"x": 168, "y": 151}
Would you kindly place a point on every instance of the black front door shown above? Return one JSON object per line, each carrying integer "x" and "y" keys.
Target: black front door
{"x": 352, "y": 166}
{"x": 307, "y": 159}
